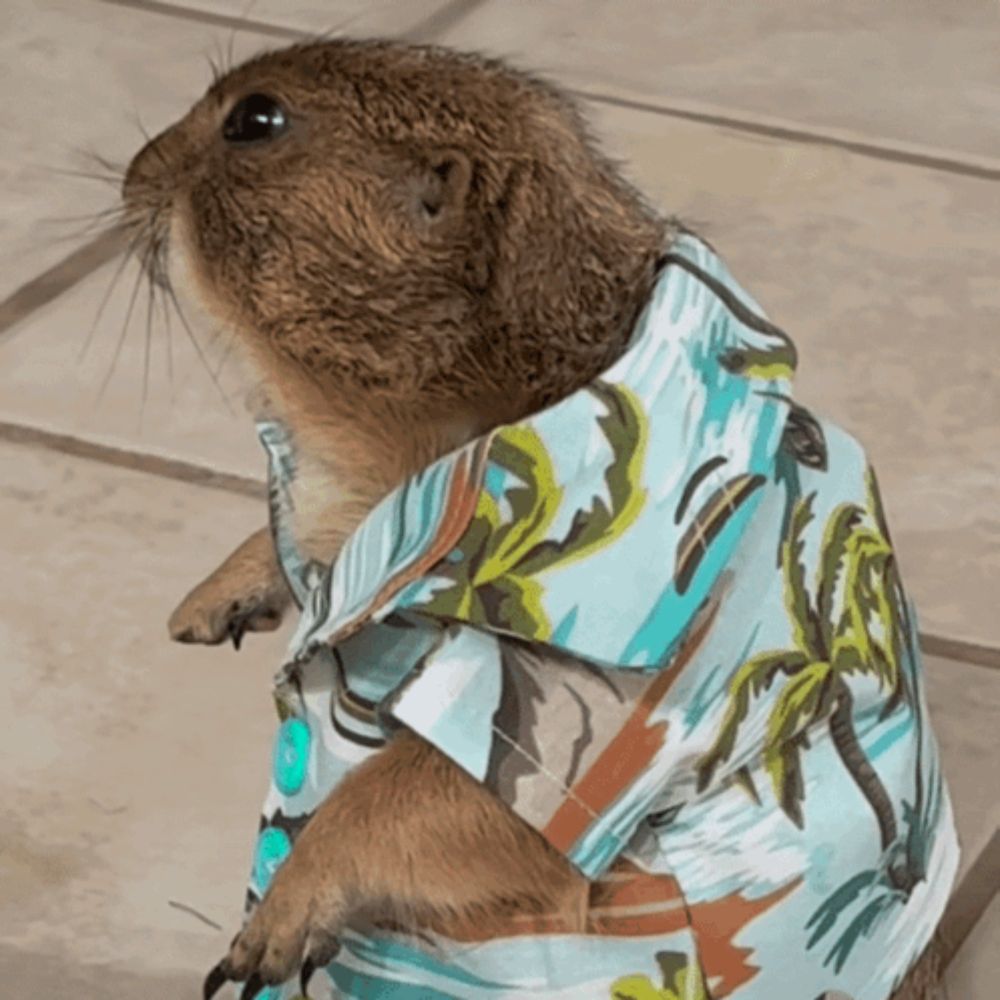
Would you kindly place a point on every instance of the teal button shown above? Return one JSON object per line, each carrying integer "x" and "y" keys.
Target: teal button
{"x": 270, "y": 993}
{"x": 273, "y": 846}
{"x": 291, "y": 755}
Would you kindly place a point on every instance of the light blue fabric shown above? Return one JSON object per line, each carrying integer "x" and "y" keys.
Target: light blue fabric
{"x": 663, "y": 621}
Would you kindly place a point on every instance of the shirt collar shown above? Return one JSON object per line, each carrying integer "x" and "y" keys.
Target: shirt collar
{"x": 600, "y": 525}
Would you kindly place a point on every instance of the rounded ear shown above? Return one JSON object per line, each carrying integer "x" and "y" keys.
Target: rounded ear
{"x": 441, "y": 185}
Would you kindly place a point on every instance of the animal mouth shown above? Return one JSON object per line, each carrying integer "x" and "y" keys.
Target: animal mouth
{"x": 150, "y": 243}
{"x": 148, "y": 235}
{"x": 149, "y": 231}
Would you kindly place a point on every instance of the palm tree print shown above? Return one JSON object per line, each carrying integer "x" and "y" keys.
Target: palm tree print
{"x": 496, "y": 570}
{"x": 864, "y": 635}
{"x": 682, "y": 980}
{"x": 872, "y": 633}
{"x": 873, "y": 893}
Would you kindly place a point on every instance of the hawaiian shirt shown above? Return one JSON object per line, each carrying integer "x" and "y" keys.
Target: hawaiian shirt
{"x": 663, "y": 621}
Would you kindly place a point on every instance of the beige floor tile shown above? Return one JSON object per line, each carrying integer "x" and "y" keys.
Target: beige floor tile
{"x": 964, "y": 705}
{"x": 77, "y": 73}
{"x": 81, "y": 71}
{"x": 44, "y": 381}
{"x": 914, "y": 70}
{"x": 353, "y": 17}
{"x": 131, "y": 769}
{"x": 884, "y": 275}
{"x": 975, "y": 970}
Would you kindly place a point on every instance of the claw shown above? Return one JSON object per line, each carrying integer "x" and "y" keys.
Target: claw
{"x": 215, "y": 980}
{"x": 326, "y": 954}
{"x": 321, "y": 954}
{"x": 308, "y": 968}
{"x": 252, "y": 987}
{"x": 237, "y": 628}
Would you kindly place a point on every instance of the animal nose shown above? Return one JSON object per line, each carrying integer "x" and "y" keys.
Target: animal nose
{"x": 157, "y": 167}
{"x": 144, "y": 170}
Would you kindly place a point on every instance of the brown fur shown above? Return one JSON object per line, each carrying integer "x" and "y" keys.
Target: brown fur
{"x": 387, "y": 334}
{"x": 433, "y": 248}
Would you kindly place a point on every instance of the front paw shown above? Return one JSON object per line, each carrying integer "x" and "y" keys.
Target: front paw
{"x": 210, "y": 615}
{"x": 294, "y": 930}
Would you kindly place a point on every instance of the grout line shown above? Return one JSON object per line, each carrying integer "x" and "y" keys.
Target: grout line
{"x": 454, "y": 11}
{"x": 960, "y": 649}
{"x": 971, "y": 899}
{"x": 440, "y": 20}
{"x": 975, "y": 654}
{"x": 136, "y": 461}
{"x": 59, "y": 278}
{"x": 80, "y": 263}
{"x": 208, "y": 17}
{"x": 86, "y": 259}
{"x": 982, "y": 169}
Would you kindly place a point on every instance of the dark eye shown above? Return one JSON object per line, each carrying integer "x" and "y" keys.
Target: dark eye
{"x": 255, "y": 118}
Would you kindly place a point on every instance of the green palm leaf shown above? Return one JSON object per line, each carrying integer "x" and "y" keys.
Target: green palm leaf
{"x": 514, "y": 603}
{"x": 804, "y": 700}
{"x": 625, "y": 426}
{"x": 689, "y": 983}
{"x": 494, "y": 578}
{"x": 875, "y": 504}
{"x": 836, "y": 536}
{"x": 783, "y": 764}
{"x": 682, "y": 980}
{"x": 534, "y": 503}
{"x": 805, "y": 626}
{"x": 744, "y": 779}
{"x": 865, "y": 603}
{"x": 755, "y": 676}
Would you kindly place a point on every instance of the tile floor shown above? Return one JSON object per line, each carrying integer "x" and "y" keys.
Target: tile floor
{"x": 846, "y": 162}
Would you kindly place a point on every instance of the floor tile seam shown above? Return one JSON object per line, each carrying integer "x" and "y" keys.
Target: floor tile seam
{"x": 444, "y": 17}
{"x": 58, "y": 279}
{"x": 784, "y": 130}
{"x": 971, "y": 898}
{"x": 970, "y": 652}
{"x": 454, "y": 11}
{"x": 146, "y": 462}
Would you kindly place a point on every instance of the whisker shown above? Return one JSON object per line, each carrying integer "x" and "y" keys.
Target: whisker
{"x": 170, "y": 344}
{"x": 247, "y": 9}
{"x": 194, "y": 341}
{"x": 220, "y": 54}
{"x": 228, "y": 65}
{"x": 213, "y": 66}
{"x": 150, "y": 286}
{"x": 214, "y": 338}
{"x": 137, "y": 121}
{"x": 112, "y": 179}
{"x": 116, "y": 277}
{"x": 109, "y": 166}
{"x": 95, "y": 225}
{"x": 121, "y": 338}
{"x": 336, "y": 30}
{"x": 82, "y": 234}
{"x": 104, "y": 213}
{"x": 224, "y": 357}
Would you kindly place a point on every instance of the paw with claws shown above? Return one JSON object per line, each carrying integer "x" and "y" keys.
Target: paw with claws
{"x": 205, "y": 616}
{"x": 245, "y": 594}
{"x": 292, "y": 933}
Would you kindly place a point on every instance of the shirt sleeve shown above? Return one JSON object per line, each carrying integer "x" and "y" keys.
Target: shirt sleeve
{"x": 574, "y": 749}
